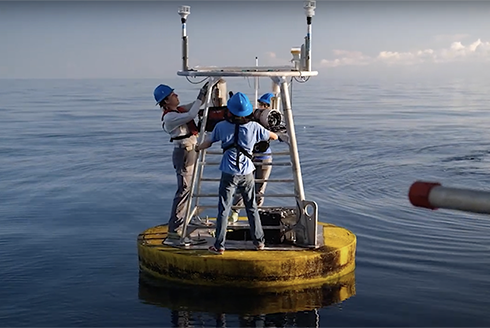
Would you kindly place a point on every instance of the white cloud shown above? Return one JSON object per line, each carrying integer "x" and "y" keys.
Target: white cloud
{"x": 394, "y": 57}
{"x": 456, "y": 46}
{"x": 457, "y": 51}
{"x": 346, "y": 58}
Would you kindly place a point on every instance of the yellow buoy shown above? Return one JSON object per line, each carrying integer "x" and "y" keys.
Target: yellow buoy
{"x": 249, "y": 268}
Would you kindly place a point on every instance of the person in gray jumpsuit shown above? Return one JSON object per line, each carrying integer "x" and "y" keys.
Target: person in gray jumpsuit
{"x": 178, "y": 122}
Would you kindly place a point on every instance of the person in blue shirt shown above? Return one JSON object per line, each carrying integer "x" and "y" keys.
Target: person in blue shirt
{"x": 263, "y": 172}
{"x": 238, "y": 135}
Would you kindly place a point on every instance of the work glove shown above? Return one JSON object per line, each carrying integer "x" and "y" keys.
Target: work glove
{"x": 205, "y": 87}
{"x": 283, "y": 137}
{"x": 203, "y": 91}
{"x": 261, "y": 146}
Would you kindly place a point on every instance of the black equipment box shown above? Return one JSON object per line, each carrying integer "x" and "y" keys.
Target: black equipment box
{"x": 271, "y": 224}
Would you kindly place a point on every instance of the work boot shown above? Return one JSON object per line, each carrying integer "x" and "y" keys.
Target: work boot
{"x": 173, "y": 235}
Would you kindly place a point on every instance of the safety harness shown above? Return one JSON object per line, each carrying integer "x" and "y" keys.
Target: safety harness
{"x": 193, "y": 130}
{"x": 239, "y": 149}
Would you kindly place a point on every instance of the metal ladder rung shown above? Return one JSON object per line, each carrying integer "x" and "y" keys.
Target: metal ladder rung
{"x": 263, "y": 195}
{"x": 234, "y": 227}
{"x": 269, "y": 154}
{"x": 279, "y": 153}
{"x": 247, "y": 226}
{"x": 255, "y": 163}
{"x": 256, "y": 180}
{"x": 243, "y": 207}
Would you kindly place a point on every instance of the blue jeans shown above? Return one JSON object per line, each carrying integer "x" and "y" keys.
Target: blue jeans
{"x": 245, "y": 184}
{"x": 261, "y": 172}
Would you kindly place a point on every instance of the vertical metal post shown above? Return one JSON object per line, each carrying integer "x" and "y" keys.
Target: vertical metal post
{"x": 184, "y": 11}
{"x": 199, "y": 159}
{"x": 256, "y": 85}
{"x": 276, "y": 90}
{"x": 200, "y": 174}
{"x": 185, "y": 45}
{"x": 185, "y": 57}
{"x": 308, "y": 46}
{"x": 310, "y": 12}
{"x": 293, "y": 147}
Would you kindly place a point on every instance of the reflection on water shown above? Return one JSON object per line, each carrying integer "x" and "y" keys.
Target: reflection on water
{"x": 300, "y": 319}
{"x": 294, "y": 306}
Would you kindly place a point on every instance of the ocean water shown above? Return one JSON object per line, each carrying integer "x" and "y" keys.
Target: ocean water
{"x": 85, "y": 167}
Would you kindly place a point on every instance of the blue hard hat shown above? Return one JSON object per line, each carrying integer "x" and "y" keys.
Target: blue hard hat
{"x": 161, "y": 92}
{"x": 239, "y": 105}
{"x": 266, "y": 98}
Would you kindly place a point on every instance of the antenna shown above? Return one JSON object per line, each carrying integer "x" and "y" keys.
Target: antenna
{"x": 310, "y": 12}
{"x": 256, "y": 84}
{"x": 184, "y": 11}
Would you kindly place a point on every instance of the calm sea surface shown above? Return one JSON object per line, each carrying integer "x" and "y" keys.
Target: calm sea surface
{"x": 85, "y": 167}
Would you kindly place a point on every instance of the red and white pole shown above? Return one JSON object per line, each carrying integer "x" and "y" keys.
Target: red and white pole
{"x": 433, "y": 195}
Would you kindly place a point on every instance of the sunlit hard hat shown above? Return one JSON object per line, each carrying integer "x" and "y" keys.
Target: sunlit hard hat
{"x": 266, "y": 98}
{"x": 239, "y": 105}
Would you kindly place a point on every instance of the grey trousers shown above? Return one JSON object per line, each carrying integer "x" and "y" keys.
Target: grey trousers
{"x": 262, "y": 172}
{"x": 183, "y": 161}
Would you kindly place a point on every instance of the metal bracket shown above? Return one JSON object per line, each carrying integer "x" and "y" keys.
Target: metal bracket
{"x": 306, "y": 227}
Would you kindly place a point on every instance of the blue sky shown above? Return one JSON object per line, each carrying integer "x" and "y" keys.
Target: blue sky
{"x": 123, "y": 39}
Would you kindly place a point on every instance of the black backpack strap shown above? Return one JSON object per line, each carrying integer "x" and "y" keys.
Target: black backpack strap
{"x": 174, "y": 138}
{"x": 239, "y": 149}
{"x": 235, "y": 142}
{"x": 181, "y": 137}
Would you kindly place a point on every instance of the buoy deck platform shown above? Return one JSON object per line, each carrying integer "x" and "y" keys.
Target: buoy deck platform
{"x": 241, "y": 265}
